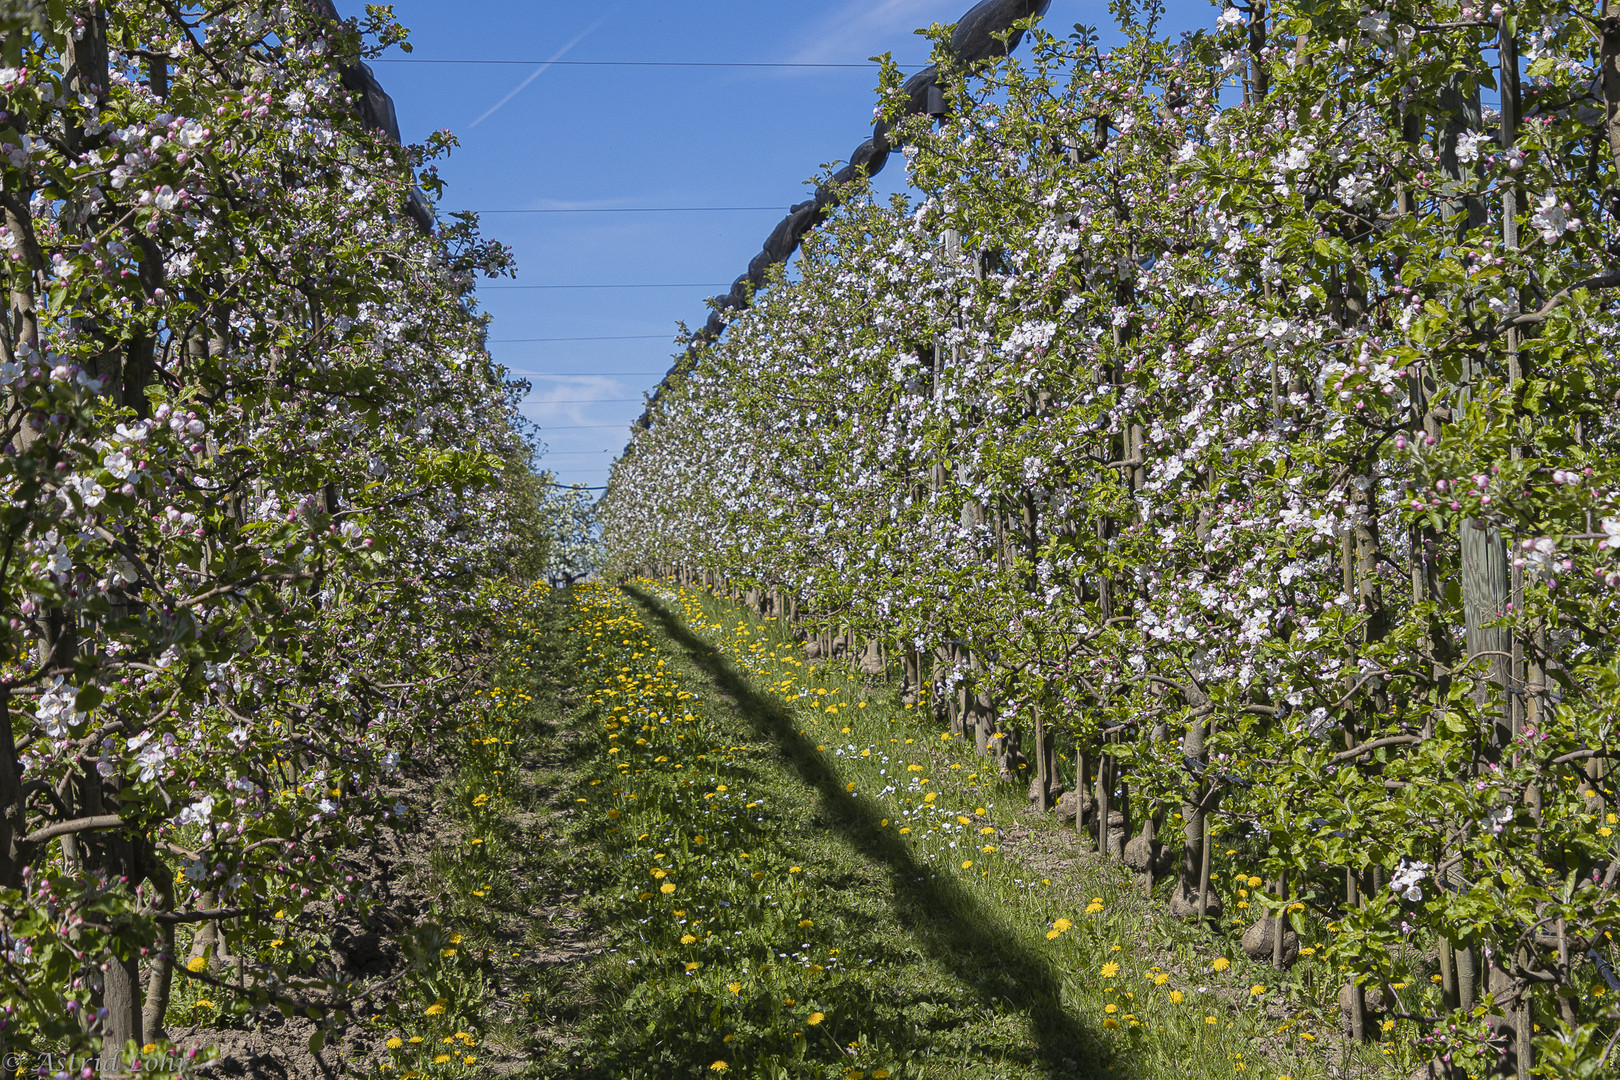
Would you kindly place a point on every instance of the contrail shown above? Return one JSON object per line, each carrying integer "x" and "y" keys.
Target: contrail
{"x": 541, "y": 70}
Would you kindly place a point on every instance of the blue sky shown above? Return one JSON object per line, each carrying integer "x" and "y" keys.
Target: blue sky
{"x": 598, "y": 138}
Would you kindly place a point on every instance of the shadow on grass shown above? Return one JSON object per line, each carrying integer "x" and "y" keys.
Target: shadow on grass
{"x": 951, "y": 925}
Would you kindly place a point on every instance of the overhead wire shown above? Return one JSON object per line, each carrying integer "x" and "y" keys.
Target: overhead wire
{"x": 867, "y": 66}
{"x": 667, "y": 285}
{"x": 613, "y": 337}
{"x": 631, "y": 210}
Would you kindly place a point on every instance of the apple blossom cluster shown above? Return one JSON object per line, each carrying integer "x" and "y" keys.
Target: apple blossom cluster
{"x": 1242, "y": 400}
{"x": 261, "y": 485}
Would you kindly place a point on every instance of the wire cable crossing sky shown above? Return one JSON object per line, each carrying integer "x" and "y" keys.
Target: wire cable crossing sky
{"x": 632, "y": 154}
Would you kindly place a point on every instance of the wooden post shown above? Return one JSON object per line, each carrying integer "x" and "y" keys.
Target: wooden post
{"x": 1079, "y": 792}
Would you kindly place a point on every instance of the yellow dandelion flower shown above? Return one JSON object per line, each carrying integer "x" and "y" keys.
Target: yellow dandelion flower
{"x": 816, "y": 1018}
{"x": 1256, "y": 990}
{"x": 805, "y": 924}
{"x": 719, "y": 1066}
{"x": 687, "y": 939}
{"x": 735, "y": 988}
{"x": 1211, "y": 1021}
{"x": 1111, "y": 1008}
{"x": 667, "y": 887}
{"x": 1110, "y": 969}
{"x": 436, "y": 1009}
{"x": 395, "y": 1044}
{"x": 1160, "y": 979}
{"x": 1177, "y": 997}
{"x": 196, "y": 963}
{"x": 440, "y": 1059}
{"x": 1110, "y": 1023}
{"x": 1221, "y": 963}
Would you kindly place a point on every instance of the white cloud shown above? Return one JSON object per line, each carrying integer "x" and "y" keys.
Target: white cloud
{"x": 570, "y": 400}
{"x": 543, "y": 68}
{"x": 862, "y": 28}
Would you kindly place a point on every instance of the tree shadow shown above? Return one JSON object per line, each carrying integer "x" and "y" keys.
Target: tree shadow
{"x": 950, "y": 925}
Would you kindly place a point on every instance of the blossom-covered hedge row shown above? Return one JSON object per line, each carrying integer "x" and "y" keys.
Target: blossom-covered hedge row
{"x": 1241, "y": 406}
{"x": 258, "y": 472}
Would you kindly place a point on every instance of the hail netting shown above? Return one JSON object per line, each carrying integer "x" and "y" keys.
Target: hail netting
{"x": 376, "y": 108}
{"x": 981, "y": 35}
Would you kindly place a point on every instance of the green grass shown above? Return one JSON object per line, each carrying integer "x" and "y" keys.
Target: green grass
{"x": 916, "y": 965}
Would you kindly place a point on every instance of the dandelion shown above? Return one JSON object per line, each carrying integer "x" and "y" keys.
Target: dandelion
{"x": 693, "y": 966}
{"x": 805, "y": 924}
{"x": 687, "y": 939}
{"x": 1221, "y": 963}
{"x": 1062, "y": 924}
{"x": 1177, "y": 997}
{"x": 1256, "y": 990}
{"x": 394, "y": 1044}
{"x": 1110, "y": 969}
{"x": 440, "y": 1059}
{"x": 666, "y": 888}
{"x": 966, "y": 863}
{"x": 436, "y": 1009}
{"x": 735, "y": 988}
{"x": 816, "y": 1018}
{"x": 196, "y": 964}
{"x": 1111, "y": 1008}
{"x": 1160, "y": 979}
{"x": 1211, "y": 1021}
{"x": 1110, "y": 1023}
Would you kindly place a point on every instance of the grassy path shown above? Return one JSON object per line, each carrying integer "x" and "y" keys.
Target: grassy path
{"x": 759, "y": 869}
